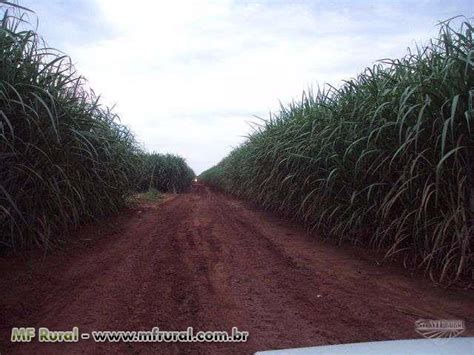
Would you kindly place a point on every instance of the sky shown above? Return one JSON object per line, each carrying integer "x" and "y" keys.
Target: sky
{"x": 188, "y": 76}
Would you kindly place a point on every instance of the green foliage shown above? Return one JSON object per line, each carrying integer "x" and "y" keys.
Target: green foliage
{"x": 386, "y": 160}
{"x": 165, "y": 172}
{"x": 64, "y": 158}
{"x": 151, "y": 195}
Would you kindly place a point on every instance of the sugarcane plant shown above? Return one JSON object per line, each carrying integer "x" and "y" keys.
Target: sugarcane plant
{"x": 386, "y": 160}
{"x": 64, "y": 157}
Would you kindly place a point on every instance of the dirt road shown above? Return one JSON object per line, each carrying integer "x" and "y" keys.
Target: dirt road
{"x": 209, "y": 261}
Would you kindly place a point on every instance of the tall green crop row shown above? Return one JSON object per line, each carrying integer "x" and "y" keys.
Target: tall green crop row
{"x": 386, "y": 160}
{"x": 165, "y": 172}
{"x": 64, "y": 158}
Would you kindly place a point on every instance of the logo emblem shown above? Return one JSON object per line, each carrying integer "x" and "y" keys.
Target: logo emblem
{"x": 441, "y": 328}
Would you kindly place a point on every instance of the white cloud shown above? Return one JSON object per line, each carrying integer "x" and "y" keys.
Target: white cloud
{"x": 187, "y": 75}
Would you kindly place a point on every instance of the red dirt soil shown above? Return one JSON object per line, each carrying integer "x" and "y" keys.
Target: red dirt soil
{"x": 207, "y": 260}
